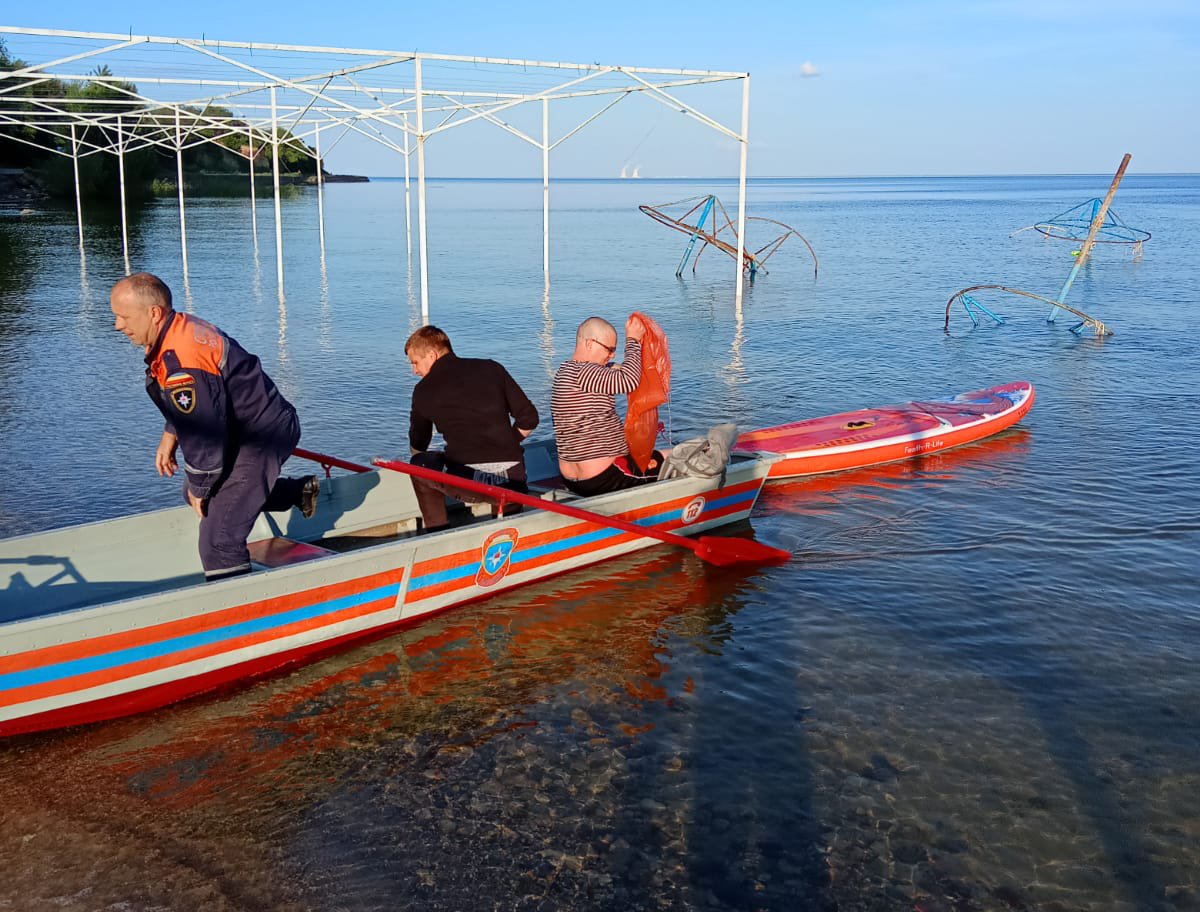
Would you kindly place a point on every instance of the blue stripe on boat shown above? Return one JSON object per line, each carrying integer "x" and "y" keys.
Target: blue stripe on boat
{"x": 417, "y": 583}
{"x": 75, "y": 667}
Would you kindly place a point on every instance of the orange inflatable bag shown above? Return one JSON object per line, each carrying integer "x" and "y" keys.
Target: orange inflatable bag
{"x": 641, "y": 420}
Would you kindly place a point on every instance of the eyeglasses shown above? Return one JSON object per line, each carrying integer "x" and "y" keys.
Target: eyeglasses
{"x": 611, "y": 349}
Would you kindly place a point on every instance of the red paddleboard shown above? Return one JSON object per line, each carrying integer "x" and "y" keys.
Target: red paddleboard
{"x": 868, "y": 437}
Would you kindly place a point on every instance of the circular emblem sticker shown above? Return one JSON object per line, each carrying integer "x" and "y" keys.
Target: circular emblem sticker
{"x": 693, "y": 509}
{"x": 493, "y": 563}
{"x": 184, "y": 398}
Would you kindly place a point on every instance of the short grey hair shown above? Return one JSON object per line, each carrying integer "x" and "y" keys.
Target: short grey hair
{"x": 148, "y": 290}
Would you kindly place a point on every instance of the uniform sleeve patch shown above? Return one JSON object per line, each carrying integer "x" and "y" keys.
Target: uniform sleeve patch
{"x": 179, "y": 379}
{"x": 183, "y": 397}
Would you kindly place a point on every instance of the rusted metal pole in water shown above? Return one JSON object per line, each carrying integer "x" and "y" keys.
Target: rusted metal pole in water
{"x": 1091, "y": 238}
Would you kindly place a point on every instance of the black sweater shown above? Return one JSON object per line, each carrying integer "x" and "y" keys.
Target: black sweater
{"x": 470, "y": 400}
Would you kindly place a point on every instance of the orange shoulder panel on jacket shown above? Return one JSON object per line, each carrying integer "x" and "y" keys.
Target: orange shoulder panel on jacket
{"x": 196, "y": 343}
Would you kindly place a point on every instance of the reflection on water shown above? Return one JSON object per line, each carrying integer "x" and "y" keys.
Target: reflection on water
{"x": 85, "y": 288}
{"x": 326, "y": 314}
{"x": 735, "y": 370}
{"x": 414, "y": 305}
{"x": 974, "y": 688}
{"x": 189, "y": 302}
{"x": 546, "y": 337}
{"x": 283, "y": 350}
{"x": 256, "y": 277}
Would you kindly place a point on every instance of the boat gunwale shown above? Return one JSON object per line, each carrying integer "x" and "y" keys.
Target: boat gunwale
{"x": 338, "y": 559}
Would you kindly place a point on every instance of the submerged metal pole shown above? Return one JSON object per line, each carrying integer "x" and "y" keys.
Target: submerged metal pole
{"x": 275, "y": 183}
{"x": 320, "y": 193}
{"x": 423, "y": 243}
{"x": 741, "y": 228}
{"x": 253, "y": 204}
{"x": 179, "y": 180}
{"x": 1097, "y": 221}
{"x": 546, "y": 190}
{"x": 121, "y": 179}
{"x": 78, "y": 195}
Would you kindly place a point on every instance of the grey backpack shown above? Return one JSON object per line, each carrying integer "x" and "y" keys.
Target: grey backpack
{"x": 701, "y": 457}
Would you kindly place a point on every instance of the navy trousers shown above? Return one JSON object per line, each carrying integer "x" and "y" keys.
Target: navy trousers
{"x": 251, "y": 486}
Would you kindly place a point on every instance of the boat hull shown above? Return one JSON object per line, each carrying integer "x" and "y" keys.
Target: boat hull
{"x": 854, "y": 440}
{"x": 95, "y": 662}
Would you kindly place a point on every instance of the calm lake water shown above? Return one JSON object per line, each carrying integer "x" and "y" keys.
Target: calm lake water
{"x": 975, "y": 687}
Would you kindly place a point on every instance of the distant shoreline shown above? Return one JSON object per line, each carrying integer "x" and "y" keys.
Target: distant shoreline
{"x": 734, "y": 180}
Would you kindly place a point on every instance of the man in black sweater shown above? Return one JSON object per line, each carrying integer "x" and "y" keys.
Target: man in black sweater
{"x": 481, "y": 413}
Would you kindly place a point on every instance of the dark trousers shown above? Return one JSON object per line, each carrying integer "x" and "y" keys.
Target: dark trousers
{"x": 623, "y": 473}
{"x": 251, "y": 486}
{"x": 431, "y": 495}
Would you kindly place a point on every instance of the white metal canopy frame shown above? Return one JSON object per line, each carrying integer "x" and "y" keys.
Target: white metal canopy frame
{"x": 195, "y": 91}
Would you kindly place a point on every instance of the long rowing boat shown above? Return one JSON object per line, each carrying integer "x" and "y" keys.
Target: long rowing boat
{"x": 112, "y": 618}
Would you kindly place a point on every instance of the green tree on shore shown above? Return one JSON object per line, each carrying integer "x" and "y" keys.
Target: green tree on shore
{"x": 206, "y": 166}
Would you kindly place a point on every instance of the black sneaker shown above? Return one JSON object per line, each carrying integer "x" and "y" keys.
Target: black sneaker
{"x": 308, "y": 495}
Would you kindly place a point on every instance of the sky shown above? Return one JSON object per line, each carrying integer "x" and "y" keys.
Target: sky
{"x": 838, "y": 89}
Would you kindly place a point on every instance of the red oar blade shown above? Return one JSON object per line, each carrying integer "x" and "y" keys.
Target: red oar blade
{"x": 726, "y": 552}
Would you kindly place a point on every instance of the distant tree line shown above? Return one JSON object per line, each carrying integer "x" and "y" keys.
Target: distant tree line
{"x": 208, "y": 168}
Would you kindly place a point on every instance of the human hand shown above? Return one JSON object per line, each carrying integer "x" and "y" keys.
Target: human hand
{"x": 164, "y": 456}
{"x": 197, "y": 504}
{"x": 635, "y": 328}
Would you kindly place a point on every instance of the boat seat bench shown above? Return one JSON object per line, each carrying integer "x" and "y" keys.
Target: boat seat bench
{"x": 373, "y": 504}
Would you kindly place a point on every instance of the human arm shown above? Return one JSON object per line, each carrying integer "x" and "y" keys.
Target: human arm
{"x": 187, "y": 381}
{"x": 612, "y": 378}
{"x": 164, "y": 455}
{"x": 193, "y": 401}
{"x": 523, "y": 411}
{"x": 197, "y": 503}
{"x": 420, "y": 428}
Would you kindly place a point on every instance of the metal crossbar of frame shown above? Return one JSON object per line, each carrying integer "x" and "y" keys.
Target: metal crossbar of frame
{"x": 196, "y": 91}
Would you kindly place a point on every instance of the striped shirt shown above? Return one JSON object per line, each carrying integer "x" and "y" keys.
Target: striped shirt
{"x": 586, "y": 425}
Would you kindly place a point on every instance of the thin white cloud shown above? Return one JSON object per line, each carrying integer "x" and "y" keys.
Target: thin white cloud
{"x": 808, "y": 69}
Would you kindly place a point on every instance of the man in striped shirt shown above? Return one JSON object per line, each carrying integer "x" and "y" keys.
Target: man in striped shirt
{"x": 593, "y": 457}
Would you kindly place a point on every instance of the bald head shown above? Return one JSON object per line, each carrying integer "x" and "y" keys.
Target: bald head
{"x": 595, "y": 341}
{"x": 140, "y": 304}
{"x": 595, "y": 327}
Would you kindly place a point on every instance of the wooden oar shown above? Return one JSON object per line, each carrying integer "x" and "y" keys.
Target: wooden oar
{"x": 723, "y": 552}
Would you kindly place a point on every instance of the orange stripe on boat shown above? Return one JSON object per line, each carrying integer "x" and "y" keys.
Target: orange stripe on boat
{"x": 113, "y": 642}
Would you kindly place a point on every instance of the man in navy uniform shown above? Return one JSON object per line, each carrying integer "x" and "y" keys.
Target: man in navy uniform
{"x": 223, "y": 411}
